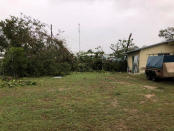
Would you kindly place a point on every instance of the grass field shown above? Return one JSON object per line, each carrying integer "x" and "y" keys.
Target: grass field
{"x": 89, "y": 101}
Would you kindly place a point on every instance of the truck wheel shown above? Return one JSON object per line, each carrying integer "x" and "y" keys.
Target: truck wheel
{"x": 154, "y": 77}
{"x": 149, "y": 77}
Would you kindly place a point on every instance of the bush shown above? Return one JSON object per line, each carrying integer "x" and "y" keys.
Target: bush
{"x": 16, "y": 83}
{"x": 63, "y": 69}
{"x": 83, "y": 67}
{"x": 15, "y": 62}
{"x": 48, "y": 67}
{"x": 117, "y": 66}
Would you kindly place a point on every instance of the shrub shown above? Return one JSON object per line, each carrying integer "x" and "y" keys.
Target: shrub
{"x": 117, "y": 66}
{"x": 83, "y": 67}
{"x": 15, "y": 62}
{"x": 63, "y": 69}
{"x": 16, "y": 83}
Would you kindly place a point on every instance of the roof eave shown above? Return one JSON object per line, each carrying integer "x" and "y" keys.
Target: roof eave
{"x": 169, "y": 41}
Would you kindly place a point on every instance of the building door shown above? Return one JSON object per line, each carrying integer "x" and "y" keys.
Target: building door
{"x": 135, "y": 64}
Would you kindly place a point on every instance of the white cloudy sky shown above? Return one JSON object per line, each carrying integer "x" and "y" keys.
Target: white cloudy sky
{"x": 102, "y": 21}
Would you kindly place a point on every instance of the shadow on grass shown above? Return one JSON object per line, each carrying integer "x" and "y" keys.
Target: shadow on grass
{"x": 167, "y": 80}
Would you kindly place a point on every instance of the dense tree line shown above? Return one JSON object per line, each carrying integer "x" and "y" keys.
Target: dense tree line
{"x": 29, "y": 50}
{"x": 97, "y": 60}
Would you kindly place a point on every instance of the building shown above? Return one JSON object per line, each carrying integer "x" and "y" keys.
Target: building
{"x": 137, "y": 59}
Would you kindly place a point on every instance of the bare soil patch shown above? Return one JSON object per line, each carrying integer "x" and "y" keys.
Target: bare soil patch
{"x": 149, "y": 96}
{"x": 131, "y": 111}
{"x": 114, "y": 103}
{"x": 150, "y": 87}
{"x": 62, "y": 89}
{"x": 142, "y": 102}
{"x": 121, "y": 83}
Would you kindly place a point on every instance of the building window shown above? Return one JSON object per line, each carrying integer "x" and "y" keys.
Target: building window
{"x": 163, "y": 54}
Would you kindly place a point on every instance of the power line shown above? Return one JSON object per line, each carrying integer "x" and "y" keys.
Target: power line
{"x": 79, "y": 37}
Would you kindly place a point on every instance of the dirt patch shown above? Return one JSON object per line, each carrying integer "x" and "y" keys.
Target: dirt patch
{"x": 154, "y": 100}
{"x": 121, "y": 83}
{"x": 62, "y": 89}
{"x": 150, "y": 87}
{"x": 122, "y": 127}
{"x": 131, "y": 111}
{"x": 117, "y": 81}
{"x": 149, "y": 96}
{"x": 142, "y": 102}
{"x": 114, "y": 103}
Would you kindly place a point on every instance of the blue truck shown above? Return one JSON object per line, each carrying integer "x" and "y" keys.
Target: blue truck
{"x": 160, "y": 67}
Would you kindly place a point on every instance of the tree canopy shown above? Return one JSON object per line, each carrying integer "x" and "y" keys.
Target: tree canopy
{"x": 43, "y": 52}
{"x": 121, "y": 47}
{"x": 167, "y": 34}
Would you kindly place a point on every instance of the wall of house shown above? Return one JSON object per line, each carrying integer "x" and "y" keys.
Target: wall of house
{"x": 144, "y": 53}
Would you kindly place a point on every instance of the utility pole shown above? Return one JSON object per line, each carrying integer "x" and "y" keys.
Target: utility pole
{"x": 102, "y": 57}
{"x": 51, "y": 33}
{"x": 79, "y": 37}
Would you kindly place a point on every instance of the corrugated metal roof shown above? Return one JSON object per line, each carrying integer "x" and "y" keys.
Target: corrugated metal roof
{"x": 136, "y": 50}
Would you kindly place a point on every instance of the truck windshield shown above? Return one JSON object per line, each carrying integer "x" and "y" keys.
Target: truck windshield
{"x": 157, "y": 61}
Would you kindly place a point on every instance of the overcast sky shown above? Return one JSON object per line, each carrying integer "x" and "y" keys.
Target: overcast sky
{"x": 103, "y": 22}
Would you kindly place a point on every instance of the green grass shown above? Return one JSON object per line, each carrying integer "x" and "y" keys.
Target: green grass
{"x": 88, "y": 101}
